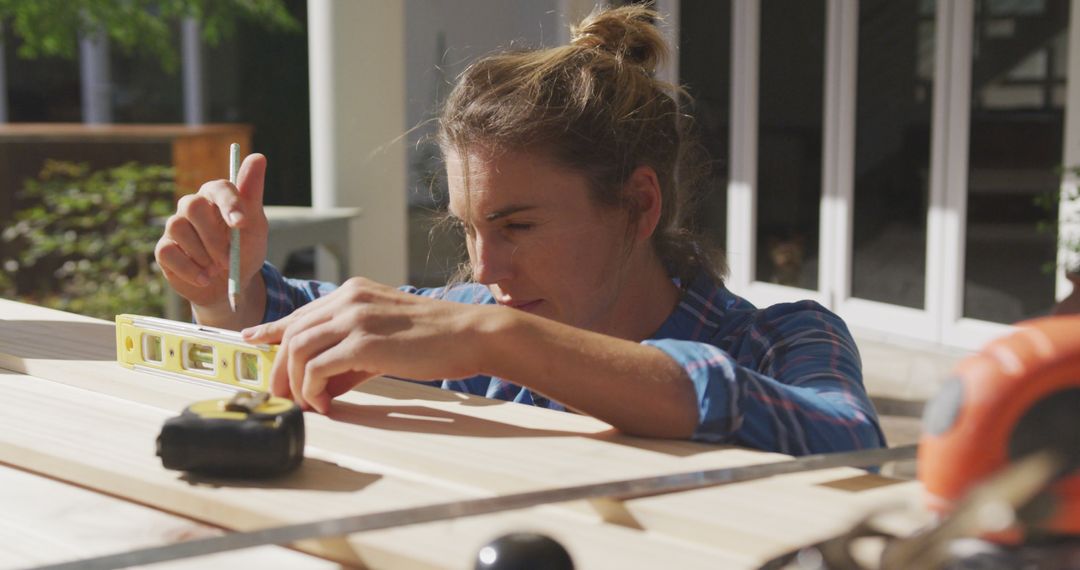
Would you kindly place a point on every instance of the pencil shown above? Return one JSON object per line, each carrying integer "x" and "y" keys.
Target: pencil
{"x": 234, "y": 238}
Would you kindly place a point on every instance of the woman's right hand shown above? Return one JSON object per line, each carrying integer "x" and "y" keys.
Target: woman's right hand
{"x": 194, "y": 251}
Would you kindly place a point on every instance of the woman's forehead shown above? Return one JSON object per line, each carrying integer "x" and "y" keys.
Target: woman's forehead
{"x": 484, "y": 165}
{"x": 485, "y": 183}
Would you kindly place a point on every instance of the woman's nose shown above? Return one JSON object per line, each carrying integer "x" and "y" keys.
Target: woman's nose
{"x": 491, "y": 260}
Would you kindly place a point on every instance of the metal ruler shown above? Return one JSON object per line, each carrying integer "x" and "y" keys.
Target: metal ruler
{"x": 622, "y": 489}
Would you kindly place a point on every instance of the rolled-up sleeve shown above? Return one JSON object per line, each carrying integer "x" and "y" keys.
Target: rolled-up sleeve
{"x": 796, "y": 388}
{"x": 285, "y": 295}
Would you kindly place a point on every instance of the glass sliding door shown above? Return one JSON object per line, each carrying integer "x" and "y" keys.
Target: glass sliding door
{"x": 894, "y": 107}
{"x": 1018, "y": 78}
{"x": 887, "y": 158}
{"x": 791, "y": 74}
{"x": 705, "y": 70}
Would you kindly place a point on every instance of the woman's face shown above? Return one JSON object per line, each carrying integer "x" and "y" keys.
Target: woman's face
{"x": 536, "y": 239}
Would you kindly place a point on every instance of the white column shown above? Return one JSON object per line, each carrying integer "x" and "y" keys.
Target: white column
{"x": 191, "y": 62}
{"x": 94, "y": 75}
{"x": 3, "y": 80}
{"x": 356, "y": 58}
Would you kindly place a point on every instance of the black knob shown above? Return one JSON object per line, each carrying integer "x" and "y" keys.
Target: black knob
{"x": 523, "y": 551}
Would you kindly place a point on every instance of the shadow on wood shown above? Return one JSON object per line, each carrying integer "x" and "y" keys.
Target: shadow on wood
{"x": 58, "y": 340}
{"x": 313, "y": 475}
{"x": 419, "y": 419}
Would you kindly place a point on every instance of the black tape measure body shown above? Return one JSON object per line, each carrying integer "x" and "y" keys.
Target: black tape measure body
{"x": 251, "y": 436}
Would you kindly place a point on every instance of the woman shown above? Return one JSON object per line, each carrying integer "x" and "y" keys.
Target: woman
{"x": 587, "y": 291}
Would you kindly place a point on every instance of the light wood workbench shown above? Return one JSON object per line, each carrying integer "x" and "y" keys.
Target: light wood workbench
{"x": 76, "y": 416}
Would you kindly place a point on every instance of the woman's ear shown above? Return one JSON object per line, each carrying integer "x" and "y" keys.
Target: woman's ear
{"x": 646, "y": 201}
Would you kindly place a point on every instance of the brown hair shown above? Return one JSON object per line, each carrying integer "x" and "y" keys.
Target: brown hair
{"x": 594, "y": 107}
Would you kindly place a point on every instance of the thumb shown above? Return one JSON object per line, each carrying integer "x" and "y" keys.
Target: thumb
{"x": 250, "y": 180}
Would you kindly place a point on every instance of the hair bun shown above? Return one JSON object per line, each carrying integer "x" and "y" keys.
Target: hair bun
{"x": 626, "y": 32}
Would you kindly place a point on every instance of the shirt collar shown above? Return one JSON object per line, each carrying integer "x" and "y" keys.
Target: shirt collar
{"x": 701, "y": 309}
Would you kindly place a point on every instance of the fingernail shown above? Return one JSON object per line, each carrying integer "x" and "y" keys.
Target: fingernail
{"x": 202, "y": 279}
{"x": 248, "y": 332}
{"x": 235, "y": 217}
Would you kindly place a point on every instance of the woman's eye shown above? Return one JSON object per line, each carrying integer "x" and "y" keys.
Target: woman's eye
{"x": 518, "y": 227}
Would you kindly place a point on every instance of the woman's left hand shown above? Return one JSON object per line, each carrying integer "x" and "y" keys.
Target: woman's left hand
{"x": 365, "y": 329}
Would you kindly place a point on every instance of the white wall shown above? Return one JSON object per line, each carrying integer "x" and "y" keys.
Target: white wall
{"x": 378, "y": 72}
{"x": 441, "y": 38}
{"x": 357, "y": 81}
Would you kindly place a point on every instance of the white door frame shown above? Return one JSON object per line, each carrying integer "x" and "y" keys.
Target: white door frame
{"x": 941, "y": 321}
{"x": 742, "y": 146}
{"x": 742, "y": 180}
{"x": 1069, "y": 217}
{"x": 834, "y": 249}
{"x": 956, "y": 330}
{"x": 879, "y": 319}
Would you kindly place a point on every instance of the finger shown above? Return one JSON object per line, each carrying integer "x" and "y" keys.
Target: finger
{"x": 269, "y": 333}
{"x": 279, "y": 334}
{"x": 338, "y": 364}
{"x": 274, "y": 332}
{"x": 279, "y": 375}
{"x": 295, "y": 379}
{"x": 280, "y": 384}
{"x": 180, "y": 286}
{"x": 303, "y": 347}
{"x": 174, "y": 261}
{"x": 338, "y": 385}
{"x": 250, "y": 181}
{"x": 180, "y": 231}
{"x": 260, "y": 334}
{"x": 227, "y": 199}
{"x": 205, "y": 217}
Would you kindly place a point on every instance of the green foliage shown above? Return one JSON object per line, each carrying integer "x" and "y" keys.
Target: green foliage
{"x": 1070, "y": 242}
{"x": 53, "y": 27}
{"x": 86, "y": 242}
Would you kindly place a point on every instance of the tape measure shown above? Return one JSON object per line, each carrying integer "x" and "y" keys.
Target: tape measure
{"x": 251, "y": 435}
{"x": 192, "y": 352}
{"x": 248, "y": 435}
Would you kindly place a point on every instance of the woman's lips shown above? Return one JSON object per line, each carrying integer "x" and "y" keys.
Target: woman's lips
{"x": 528, "y": 306}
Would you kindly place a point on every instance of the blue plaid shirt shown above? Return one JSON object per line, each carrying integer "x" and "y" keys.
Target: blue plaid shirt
{"x": 787, "y": 378}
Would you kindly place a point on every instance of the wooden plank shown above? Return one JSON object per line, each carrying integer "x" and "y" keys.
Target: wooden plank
{"x": 481, "y": 447}
{"x": 46, "y": 132}
{"x": 106, "y": 443}
{"x": 44, "y": 521}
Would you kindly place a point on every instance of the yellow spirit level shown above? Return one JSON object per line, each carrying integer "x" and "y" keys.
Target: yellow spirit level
{"x": 189, "y": 351}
